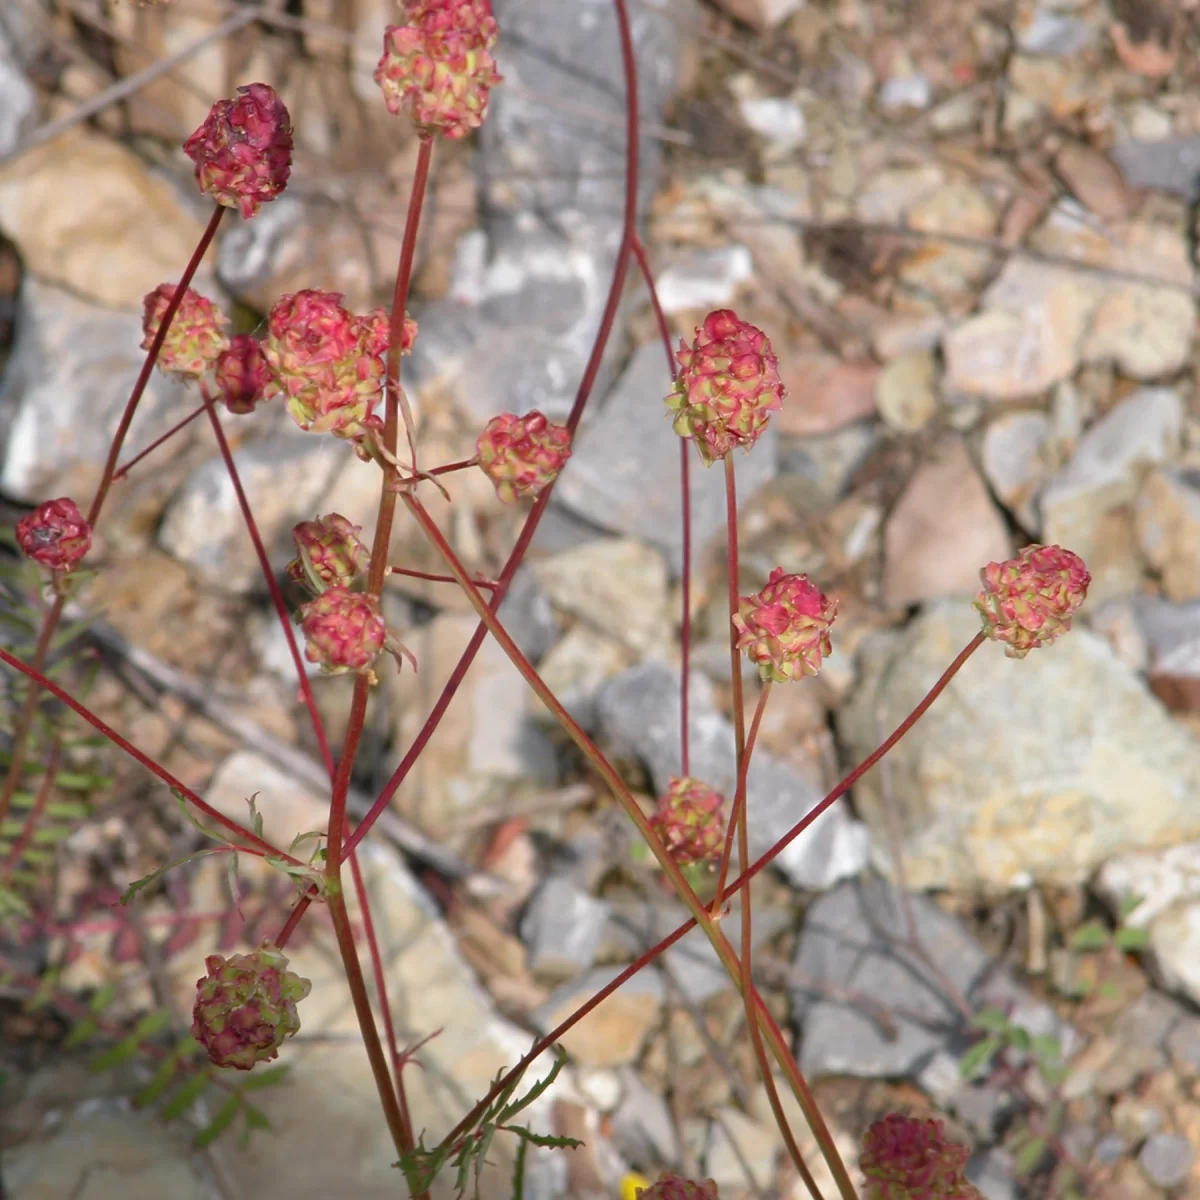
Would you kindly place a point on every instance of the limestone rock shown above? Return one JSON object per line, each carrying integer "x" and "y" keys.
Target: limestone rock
{"x": 1167, "y": 518}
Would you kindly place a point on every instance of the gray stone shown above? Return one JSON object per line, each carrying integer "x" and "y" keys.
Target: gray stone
{"x": 1033, "y": 769}
{"x": 562, "y": 927}
{"x": 18, "y": 100}
{"x": 731, "y": 1147}
{"x": 1058, "y": 35}
{"x": 1167, "y": 519}
{"x": 778, "y": 119}
{"x": 1166, "y": 1159}
{"x": 704, "y": 279}
{"x": 853, "y": 948}
{"x": 992, "y": 1172}
{"x": 639, "y": 715}
{"x": 624, "y": 472}
{"x": 580, "y": 664}
{"x": 1170, "y": 165}
{"x": 72, "y": 368}
{"x": 528, "y": 616}
{"x": 1111, "y": 1148}
{"x": 828, "y": 461}
{"x": 1013, "y": 459}
{"x": 905, "y": 91}
{"x": 643, "y": 1127}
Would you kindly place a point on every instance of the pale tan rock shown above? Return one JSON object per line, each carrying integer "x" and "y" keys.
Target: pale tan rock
{"x": 943, "y": 270}
{"x": 906, "y": 392}
{"x": 1167, "y": 518}
{"x": 1094, "y": 180}
{"x": 824, "y": 393}
{"x": 943, "y": 529}
{"x": 761, "y": 15}
{"x": 613, "y": 1034}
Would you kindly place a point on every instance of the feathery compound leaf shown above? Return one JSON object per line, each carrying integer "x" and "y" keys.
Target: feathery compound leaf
{"x": 1091, "y": 935}
{"x": 979, "y": 1056}
{"x": 219, "y": 1123}
{"x": 187, "y": 1095}
{"x": 159, "y": 1082}
{"x": 138, "y": 884}
{"x": 265, "y": 1077}
{"x": 511, "y": 1110}
{"x": 149, "y": 1026}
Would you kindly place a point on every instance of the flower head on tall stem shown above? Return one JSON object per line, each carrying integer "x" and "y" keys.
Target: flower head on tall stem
{"x": 329, "y": 552}
{"x": 784, "y": 628}
{"x": 1029, "y": 600}
{"x": 246, "y": 1007}
{"x": 728, "y": 386}
{"x": 522, "y": 455}
{"x": 690, "y": 820}
{"x": 908, "y": 1158}
{"x": 325, "y": 360}
{"x": 196, "y": 337}
{"x": 437, "y": 67}
{"x": 242, "y": 374}
{"x": 376, "y": 330}
{"x": 672, "y": 1187}
{"x": 54, "y": 535}
{"x": 343, "y": 631}
{"x": 243, "y": 149}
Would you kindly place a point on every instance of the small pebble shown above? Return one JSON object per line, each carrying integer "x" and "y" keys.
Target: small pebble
{"x": 1166, "y": 1159}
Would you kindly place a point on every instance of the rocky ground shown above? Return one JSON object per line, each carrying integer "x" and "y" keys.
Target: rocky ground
{"x": 969, "y": 228}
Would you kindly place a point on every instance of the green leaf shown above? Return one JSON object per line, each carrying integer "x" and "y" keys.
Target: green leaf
{"x": 1130, "y": 903}
{"x": 161, "y": 1079}
{"x": 992, "y": 1020}
{"x": 542, "y": 1139}
{"x": 978, "y": 1056}
{"x": 1091, "y": 935}
{"x": 11, "y": 905}
{"x": 191, "y": 819}
{"x": 518, "y": 1184}
{"x": 75, "y": 781}
{"x": 1030, "y": 1155}
{"x": 1131, "y": 937}
{"x": 38, "y": 858}
{"x": 102, "y": 997}
{"x": 67, "y": 810}
{"x": 511, "y": 1110}
{"x": 48, "y": 835}
{"x": 138, "y": 884}
{"x": 1019, "y": 1038}
{"x": 186, "y": 1096}
{"x": 256, "y": 821}
{"x": 1046, "y": 1045}
{"x": 80, "y": 1033}
{"x": 219, "y": 1123}
{"x": 265, "y": 1077}
{"x": 1053, "y": 1073}
{"x": 150, "y": 1025}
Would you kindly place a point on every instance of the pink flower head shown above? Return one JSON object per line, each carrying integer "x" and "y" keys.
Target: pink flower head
{"x": 1029, "y": 600}
{"x": 196, "y": 337}
{"x": 54, "y": 535}
{"x": 343, "y": 631}
{"x": 785, "y": 627}
{"x": 242, "y": 374}
{"x": 324, "y": 360}
{"x": 907, "y": 1158}
{"x": 437, "y": 67}
{"x": 246, "y": 1007}
{"x": 330, "y": 553}
{"x": 377, "y": 332}
{"x": 690, "y": 821}
{"x": 243, "y": 150}
{"x": 671, "y": 1187}
{"x": 522, "y": 455}
{"x": 728, "y": 386}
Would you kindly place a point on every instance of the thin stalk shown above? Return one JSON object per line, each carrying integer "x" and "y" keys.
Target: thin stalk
{"x": 124, "y": 470}
{"x": 490, "y": 584}
{"x": 35, "y": 813}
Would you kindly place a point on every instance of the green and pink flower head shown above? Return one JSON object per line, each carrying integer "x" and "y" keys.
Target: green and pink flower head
{"x": 54, "y": 535}
{"x": 672, "y": 1187}
{"x": 690, "y": 820}
{"x": 329, "y": 553}
{"x": 243, "y": 150}
{"x": 343, "y": 630}
{"x": 728, "y": 386}
{"x": 242, "y": 375}
{"x": 437, "y": 67}
{"x": 1029, "y": 600}
{"x": 196, "y": 337}
{"x": 522, "y": 455}
{"x": 908, "y": 1158}
{"x": 246, "y": 1007}
{"x": 784, "y": 629}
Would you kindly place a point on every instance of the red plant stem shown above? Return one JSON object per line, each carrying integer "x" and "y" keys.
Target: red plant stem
{"x": 24, "y": 724}
{"x": 154, "y": 445}
{"x": 461, "y": 465}
{"x": 586, "y": 384}
{"x": 685, "y": 514}
{"x": 289, "y": 926}
{"x": 239, "y": 831}
{"x": 35, "y": 813}
{"x": 264, "y": 562}
{"x": 490, "y": 584}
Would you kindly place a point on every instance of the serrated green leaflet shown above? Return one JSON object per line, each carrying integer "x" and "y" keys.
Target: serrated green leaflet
{"x": 187, "y": 1095}
{"x": 219, "y": 1123}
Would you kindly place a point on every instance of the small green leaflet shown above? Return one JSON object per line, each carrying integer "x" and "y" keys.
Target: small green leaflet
{"x": 138, "y": 884}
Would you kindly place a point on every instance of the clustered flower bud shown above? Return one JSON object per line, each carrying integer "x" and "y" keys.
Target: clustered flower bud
{"x": 522, "y": 455}
{"x": 437, "y": 67}
{"x": 243, "y": 150}
{"x": 196, "y": 336}
{"x": 377, "y": 332}
{"x": 908, "y": 1158}
{"x": 242, "y": 374}
{"x": 326, "y": 361}
{"x": 728, "y": 386}
{"x": 329, "y": 553}
{"x": 55, "y": 535}
{"x": 343, "y": 631}
{"x": 1029, "y": 600}
{"x": 672, "y": 1187}
{"x": 690, "y": 820}
{"x": 785, "y": 627}
{"x": 246, "y": 1007}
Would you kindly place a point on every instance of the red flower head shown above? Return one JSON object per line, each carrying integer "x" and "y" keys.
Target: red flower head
{"x": 344, "y": 631}
{"x": 728, "y": 386}
{"x": 690, "y": 821}
{"x": 671, "y": 1187}
{"x": 522, "y": 455}
{"x": 246, "y": 1007}
{"x": 243, "y": 150}
{"x": 377, "y": 332}
{"x": 906, "y": 1158}
{"x": 242, "y": 374}
{"x": 196, "y": 337}
{"x": 785, "y": 627}
{"x": 437, "y": 67}
{"x": 1029, "y": 600}
{"x": 54, "y": 535}
{"x": 330, "y": 552}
